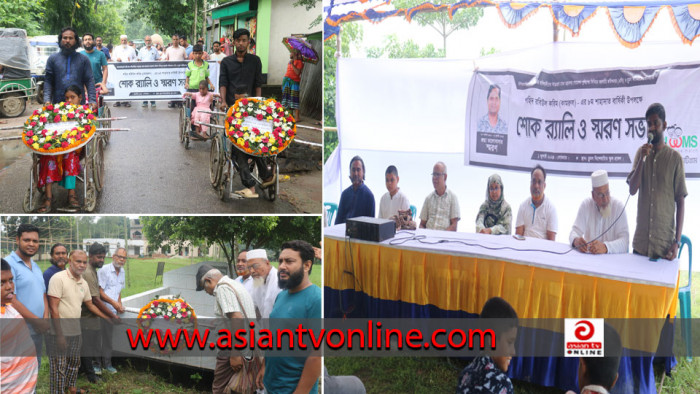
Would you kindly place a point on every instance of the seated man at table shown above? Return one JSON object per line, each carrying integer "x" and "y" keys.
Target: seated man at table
{"x": 601, "y": 223}
{"x": 441, "y": 208}
{"x": 357, "y": 199}
{"x": 537, "y": 216}
{"x": 488, "y": 373}
{"x": 597, "y": 375}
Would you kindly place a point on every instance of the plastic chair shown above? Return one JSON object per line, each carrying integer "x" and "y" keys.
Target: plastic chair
{"x": 414, "y": 210}
{"x": 684, "y": 297}
{"x": 330, "y": 209}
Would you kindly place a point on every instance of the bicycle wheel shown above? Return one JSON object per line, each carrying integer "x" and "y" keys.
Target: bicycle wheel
{"x": 107, "y": 124}
{"x": 183, "y": 124}
{"x": 216, "y": 162}
{"x": 98, "y": 166}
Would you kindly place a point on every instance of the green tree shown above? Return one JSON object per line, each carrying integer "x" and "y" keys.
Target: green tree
{"x": 395, "y": 49}
{"x": 23, "y": 14}
{"x": 231, "y": 233}
{"x": 464, "y": 18}
{"x": 95, "y": 16}
{"x": 309, "y": 4}
{"x": 167, "y": 16}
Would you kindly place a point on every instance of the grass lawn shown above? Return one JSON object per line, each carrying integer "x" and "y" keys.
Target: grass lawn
{"x": 435, "y": 375}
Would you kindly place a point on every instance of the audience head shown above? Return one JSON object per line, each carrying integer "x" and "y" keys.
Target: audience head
{"x": 602, "y": 371}
{"x": 505, "y": 328}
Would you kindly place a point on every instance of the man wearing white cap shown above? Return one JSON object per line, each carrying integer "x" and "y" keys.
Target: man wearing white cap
{"x": 599, "y": 214}
{"x": 123, "y": 53}
{"x": 264, "y": 275}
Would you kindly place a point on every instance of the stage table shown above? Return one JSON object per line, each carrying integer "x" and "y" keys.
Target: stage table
{"x": 440, "y": 274}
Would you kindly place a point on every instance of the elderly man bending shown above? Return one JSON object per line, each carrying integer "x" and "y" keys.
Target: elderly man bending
{"x": 441, "y": 208}
{"x": 233, "y": 306}
{"x": 599, "y": 214}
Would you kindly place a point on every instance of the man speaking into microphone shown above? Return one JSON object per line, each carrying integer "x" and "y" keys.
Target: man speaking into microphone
{"x": 659, "y": 175}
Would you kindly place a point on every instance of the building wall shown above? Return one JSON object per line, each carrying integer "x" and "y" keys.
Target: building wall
{"x": 285, "y": 20}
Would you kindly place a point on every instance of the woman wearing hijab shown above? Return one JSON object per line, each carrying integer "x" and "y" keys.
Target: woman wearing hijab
{"x": 495, "y": 215}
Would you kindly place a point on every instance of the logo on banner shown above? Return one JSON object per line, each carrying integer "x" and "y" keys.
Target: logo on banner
{"x": 584, "y": 337}
{"x": 685, "y": 144}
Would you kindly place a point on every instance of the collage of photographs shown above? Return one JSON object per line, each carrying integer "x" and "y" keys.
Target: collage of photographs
{"x": 252, "y": 196}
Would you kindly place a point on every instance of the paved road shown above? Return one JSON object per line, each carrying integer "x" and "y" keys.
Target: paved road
{"x": 148, "y": 171}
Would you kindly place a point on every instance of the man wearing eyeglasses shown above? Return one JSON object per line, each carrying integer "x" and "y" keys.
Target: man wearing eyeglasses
{"x": 601, "y": 223}
{"x": 112, "y": 279}
{"x": 148, "y": 53}
{"x": 441, "y": 208}
{"x": 537, "y": 216}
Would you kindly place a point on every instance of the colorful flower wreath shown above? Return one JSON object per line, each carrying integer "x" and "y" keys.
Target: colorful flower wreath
{"x": 175, "y": 312}
{"x": 260, "y": 127}
{"x": 76, "y": 125}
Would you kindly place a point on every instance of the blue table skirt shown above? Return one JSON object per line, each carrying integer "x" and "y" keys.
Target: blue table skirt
{"x": 636, "y": 374}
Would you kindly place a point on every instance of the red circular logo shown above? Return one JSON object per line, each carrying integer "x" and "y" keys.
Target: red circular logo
{"x": 584, "y": 330}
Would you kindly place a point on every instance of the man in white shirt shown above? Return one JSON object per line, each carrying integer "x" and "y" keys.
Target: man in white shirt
{"x": 441, "y": 207}
{"x": 217, "y": 55}
{"x": 265, "y": 287}
{"x": 244, "y": 277}
{"x": 601, "y": 223}
{"x": 537, "y": 216}
{"x": 112, "y": 280}
{"x": 123, "y": 53}
{"x": 148, "y": 53}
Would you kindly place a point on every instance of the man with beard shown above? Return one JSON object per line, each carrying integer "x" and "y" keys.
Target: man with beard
{"x": 300, "y": 299}
{"x": 537, "y": 216}
{"x": 98, "y": 45}
{"x": 90, "y": 327}
{"x": 68, "y": 291}
{"x": 66, "y": 68}
{"x": 59, "y": 258}
{"x": 242, "y": 270}
{"x": 30, "y": 300}
{"x": 659, "y": 176}
{"x": 233, "y": 305}
{"x": 112, "y": 279}
{"x": 357, "y": 199}
{"x": 601, "y": 223}
{"x": 98, "y": 62}
{"x": 441, "y": 207}
{"x": 265, "y": 288}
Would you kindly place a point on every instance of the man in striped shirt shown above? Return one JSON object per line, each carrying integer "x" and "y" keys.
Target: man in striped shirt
{"x": 18, "y": 365}
{"x": 234, "y": 307}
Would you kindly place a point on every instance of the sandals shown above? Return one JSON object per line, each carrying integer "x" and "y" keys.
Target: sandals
{"x": 73, "y": 202}
{"x": 127, "y": 104}
{"x": 247, "y": 193}
{"x": 45, "y": 206}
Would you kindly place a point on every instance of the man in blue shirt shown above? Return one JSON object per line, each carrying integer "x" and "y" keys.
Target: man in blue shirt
{"x": 66, "y": 68}
{"x": 98, "y": 45}
{"x": 30, "y": 301}
{"x": 300, "y": 299}
{"x": 357, "y": 199}
{"x": 184, "y": 44}
{"x": 59, "y": 258}
{"x": 98, "y": 61}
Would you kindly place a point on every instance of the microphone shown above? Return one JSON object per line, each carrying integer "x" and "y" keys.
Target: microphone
{"x": 650, "y": 137}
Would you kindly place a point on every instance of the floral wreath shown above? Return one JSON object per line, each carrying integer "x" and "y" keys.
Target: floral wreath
{"x": 251, "y": 139}
{"x": 172, "y": 309}
{"x": 39, "y": 135}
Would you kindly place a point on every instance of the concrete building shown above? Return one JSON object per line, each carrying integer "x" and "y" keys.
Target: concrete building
{"x": 269, "y": 21}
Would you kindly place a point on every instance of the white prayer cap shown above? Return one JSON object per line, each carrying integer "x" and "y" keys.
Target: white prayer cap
{"x": 599, "y": 178}
{"x": 256, "y": 254}
{"x": 122, "y": 36}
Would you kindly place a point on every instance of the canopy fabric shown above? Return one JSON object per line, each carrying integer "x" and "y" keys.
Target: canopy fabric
{"x": 629, "y": 20}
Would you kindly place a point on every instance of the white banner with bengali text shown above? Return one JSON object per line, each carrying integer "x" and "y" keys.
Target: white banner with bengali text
{"x": 151, "y": 80}
{"x": 576, "y": 122}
